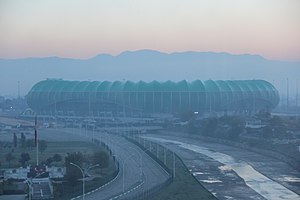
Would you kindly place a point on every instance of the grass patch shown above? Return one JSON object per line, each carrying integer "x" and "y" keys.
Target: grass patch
{"x": 61, "y": 148}
{"x": 63, "y": 189}
{"x": 184, "y": 185}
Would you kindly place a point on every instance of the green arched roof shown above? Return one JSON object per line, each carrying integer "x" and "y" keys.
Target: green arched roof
{"x": 224, "y": 92}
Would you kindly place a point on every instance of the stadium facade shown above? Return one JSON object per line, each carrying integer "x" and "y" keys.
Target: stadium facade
{"x": 82, "y": 98}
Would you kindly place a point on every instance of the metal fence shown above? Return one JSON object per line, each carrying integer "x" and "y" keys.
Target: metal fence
{"x": 148, "y": 193}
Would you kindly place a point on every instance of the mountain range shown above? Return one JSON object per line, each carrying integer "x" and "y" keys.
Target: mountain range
{"x": 145, "y": 65}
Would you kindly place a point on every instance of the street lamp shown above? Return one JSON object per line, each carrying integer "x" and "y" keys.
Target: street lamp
{"x": 83, "y": 172}
{"x": 123, "y": 166}
{"x": 141, "y": 162}
{"x": 138, "y": 154}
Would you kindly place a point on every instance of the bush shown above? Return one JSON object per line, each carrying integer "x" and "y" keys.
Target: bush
{"x": 100, "y": 158}
{"x": 72, "y": 172}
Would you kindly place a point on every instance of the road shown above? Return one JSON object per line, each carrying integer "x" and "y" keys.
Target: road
{"x": 13, "y": 197}
{"x": 232, "y": 173}
{"x": 141, "y": 172}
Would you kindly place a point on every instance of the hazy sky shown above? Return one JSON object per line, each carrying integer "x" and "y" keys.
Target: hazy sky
{"x": 84, "y": 28}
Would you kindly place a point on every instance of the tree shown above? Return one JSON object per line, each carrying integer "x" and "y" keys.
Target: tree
{"x": 101, "y": 158}
{"x": 9, "y": 157}
{"x": 236, "y": 127}
{"x": 25, "y": 157}
{"x": 276, "y": 121}
{"x": 49, "y": 160}
{"x": 23, "y": 140}
{"x": 192, "y": 128}
{"x": 267, "y": 132}
{"x": 186, "y": 116}
{"x": 57, "y": 158}
{"x": 263, "y": 115}
{"x": 30, "y": 143}
{"x": 209, "y": 126}
{"x": 42, "y": 145}
{"x": 15, "y": 140}
{"x": 72, "y": 172}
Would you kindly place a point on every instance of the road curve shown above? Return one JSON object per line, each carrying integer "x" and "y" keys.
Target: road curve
{"x": 141, "y": 172}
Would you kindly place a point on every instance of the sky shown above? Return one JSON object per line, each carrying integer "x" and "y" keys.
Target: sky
{"x": 83, "y": 29}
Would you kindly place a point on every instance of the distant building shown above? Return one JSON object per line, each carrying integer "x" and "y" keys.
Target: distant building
{"x": 255, "y": 124}
{"x": 81, "y": 98}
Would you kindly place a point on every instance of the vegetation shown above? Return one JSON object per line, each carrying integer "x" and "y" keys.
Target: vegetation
{"x": 57, "y": 158}
{"x": 24, "y": 158}
{"x": 42, "y": 146}
{"x": 81, "y": 153}
{"x": 226, "y": 127}
{"x": 184, "y": 185}
{"x": 23, "y": 140}
{"x": 72, "y": 172}
{"x": 48, "y": 154}
{"x": 73, "y": 185}
{"x": 15, "y": 140}
{"x": 30, "y": 144}
{"x": 100, "y": 158}
{"x": 278, "y": 134}
{"x": 9, "y": 157}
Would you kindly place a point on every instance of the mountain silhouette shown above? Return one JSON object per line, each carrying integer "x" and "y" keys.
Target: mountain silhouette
{"x": 144, "y": 65}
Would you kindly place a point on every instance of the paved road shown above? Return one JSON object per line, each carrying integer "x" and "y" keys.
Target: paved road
{"x": 13, "y": 197}
{"x": 135, "y": 160}
{"x": 224, "y": 170}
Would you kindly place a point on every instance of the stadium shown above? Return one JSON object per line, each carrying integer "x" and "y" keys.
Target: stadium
{"x": 82, "y": 98}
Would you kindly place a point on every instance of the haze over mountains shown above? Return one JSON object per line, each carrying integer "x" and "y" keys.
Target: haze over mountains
{"x": 145, "y": 65}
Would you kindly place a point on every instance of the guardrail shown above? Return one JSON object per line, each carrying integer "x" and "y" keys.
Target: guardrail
{"x": 111, "y": 177}
{"x": 146, "y": 194}
{"x": 135, "y": 140}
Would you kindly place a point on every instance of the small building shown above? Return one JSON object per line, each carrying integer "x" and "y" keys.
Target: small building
{"x": 254, "y": 124}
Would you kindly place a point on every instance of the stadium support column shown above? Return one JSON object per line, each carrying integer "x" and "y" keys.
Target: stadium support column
{"x": 253, "y": 96}
{"x": 123, "y": 100}
{"x": 129, "y": 98}
{"x": 55, "y": 109}
{"x": 297, "y": 93}
{"x": 89, "y": 103}
{"x": 144, "y": 100}
{"x": 171, "y": 109}
{"x": 137, "y": 99}
{"x": 180, "y": 101}
{"x": 174, "y": 166}
{"x": 198, "y": 100}
{"x": 161, "y": 101}
{"x": 153, "y": 108}
{"x": 189, "y": 100}
{"x": 210, "y": 102}
{"x": 287, "y": 94}
{"x": 36, "y": 140}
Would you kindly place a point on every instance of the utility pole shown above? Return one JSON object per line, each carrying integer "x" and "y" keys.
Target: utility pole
{"x": 297, "y": 93}
{"x": 84, "y": 173}
{"x": 287, "y": 94}
{"x": 89, "y": 104}
{"x": 157, "y": 150}
{"x": 174, "y": 166}
{"x": 18, "y": 89}
{"x": 36, "y": 141}
{"x": 165, "y": 156}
